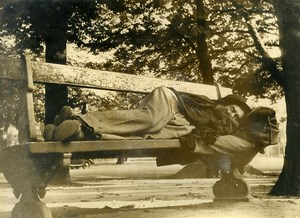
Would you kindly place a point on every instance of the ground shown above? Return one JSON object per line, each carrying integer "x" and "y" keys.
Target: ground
{"x": 140, "y": 189}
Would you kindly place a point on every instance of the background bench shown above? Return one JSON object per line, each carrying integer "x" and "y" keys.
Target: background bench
{"x": 32, "y": 164}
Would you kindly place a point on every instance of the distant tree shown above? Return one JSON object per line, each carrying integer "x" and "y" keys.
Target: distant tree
{"x": 153, "y": 37}
{"x": 165, "y": 41}
{"x": 244, "y": 35}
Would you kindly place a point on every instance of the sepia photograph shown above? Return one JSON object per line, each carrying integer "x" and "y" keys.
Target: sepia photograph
{"x": 149, "y": 108}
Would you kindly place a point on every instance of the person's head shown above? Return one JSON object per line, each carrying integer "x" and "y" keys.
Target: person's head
{"x": 234, "y": 106}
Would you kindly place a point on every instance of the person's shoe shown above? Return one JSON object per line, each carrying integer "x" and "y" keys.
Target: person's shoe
{"x": 67, "y": 130}
{"x": 48, "y": 132}
{"x": 66, "y": 113}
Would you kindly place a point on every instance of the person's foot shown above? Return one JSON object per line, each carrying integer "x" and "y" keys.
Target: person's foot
{"x": 68, "y": 130}
{"x": 66, "y": 113}
{"x": 48, "y": 132}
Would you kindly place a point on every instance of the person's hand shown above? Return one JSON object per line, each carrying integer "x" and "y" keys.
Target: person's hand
{"x": 207, "y": 134}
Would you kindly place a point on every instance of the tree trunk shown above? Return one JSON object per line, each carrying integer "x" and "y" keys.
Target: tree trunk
{"x": 56, "y": 96}
{"x": 202, "y": 49}
{"x": 56, "y": 41}
{"x": 204, "y": 67}
{"x": 289, "y": 179}
{"x": 288, "y": 15}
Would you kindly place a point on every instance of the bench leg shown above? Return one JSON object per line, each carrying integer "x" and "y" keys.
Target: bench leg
{"x": 30, "y": 205}
{"x": 62, "y": 174}
{"x": 29, "y": 176}
{"x": 230, "y": 187}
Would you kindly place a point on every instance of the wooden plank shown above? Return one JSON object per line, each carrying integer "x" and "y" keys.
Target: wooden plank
{"x": 83, "y": 77}
{"x": 93, "y": 146}
{"x": 29, "y": 101}
{"x": 11, "y": 68}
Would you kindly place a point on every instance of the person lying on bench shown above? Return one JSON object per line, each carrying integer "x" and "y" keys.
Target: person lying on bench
{"x": 212, "y": 130}
{"x": 162, "y": 114}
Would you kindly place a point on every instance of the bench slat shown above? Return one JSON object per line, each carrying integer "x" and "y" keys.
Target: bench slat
{"x": 89, "y": 78}
{"x": 94, "y": 146}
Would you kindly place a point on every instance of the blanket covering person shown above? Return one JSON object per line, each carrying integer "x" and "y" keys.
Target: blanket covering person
{"x": 164, "y": 113}
{"x": 179, "y": 115}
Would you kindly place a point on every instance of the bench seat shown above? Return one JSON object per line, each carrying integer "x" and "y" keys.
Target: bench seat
{"x": 105, "y": 148}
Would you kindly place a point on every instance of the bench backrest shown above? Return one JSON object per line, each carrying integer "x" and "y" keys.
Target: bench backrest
{"x": 108, "y": 80}
{"x": 38, "y": 72}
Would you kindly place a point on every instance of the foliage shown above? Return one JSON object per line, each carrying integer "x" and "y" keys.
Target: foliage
{"x": 160, "y": 37}
{"x": 234, "y": 46}
{"x": 10, "y": 104}
{"x": 87, "y": 100}
{"x": 163, "y": 41}
{"x": 35, "y": 21}
{"x": 39, "y": 102}
{"x": 155, "y": 37}
{"x": 149, "y": 39}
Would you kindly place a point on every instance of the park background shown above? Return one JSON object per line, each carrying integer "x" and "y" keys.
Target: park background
{"x": 242, "y": 38}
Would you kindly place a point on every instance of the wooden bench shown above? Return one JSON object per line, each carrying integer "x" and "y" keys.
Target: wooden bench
{"x": 28, "y": 167}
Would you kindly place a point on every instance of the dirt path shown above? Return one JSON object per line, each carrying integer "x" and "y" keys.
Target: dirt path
{"x": 136, "y": 189}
